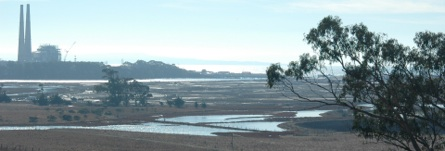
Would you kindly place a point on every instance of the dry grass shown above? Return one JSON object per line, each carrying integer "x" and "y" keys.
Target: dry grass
{"x": 115, "y": 140}
{"x": 222, "y": 97}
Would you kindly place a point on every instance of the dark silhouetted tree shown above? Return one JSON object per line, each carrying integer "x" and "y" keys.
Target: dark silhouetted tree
{"x": 57, "y": 100}
{"x": 203, "y": 105}
{"x": 122, "y": 90}
{"x": 3, "y": 96}
{"x": 178, "y": 102}
{"x": 404, "y": 85}
{"x": 41, "y": 100}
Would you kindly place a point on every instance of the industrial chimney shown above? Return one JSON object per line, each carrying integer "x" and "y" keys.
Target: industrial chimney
{"x": 25, "y": 36}
{"x": 21, "y": 56}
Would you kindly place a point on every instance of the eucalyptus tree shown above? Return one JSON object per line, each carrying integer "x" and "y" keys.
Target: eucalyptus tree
{"x": 405, "y": 86}
{"x": 122, "y": 90}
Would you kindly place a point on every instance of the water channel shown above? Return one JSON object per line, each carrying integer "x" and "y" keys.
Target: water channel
{"x": 182, "y": 125}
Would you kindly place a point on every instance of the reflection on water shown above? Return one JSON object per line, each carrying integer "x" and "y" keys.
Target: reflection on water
{"x": 139, "y": 80}
{"x": 247, "y": 122}
{"x": 152, "y": 127}
{"x": 310, "y": 113}
{"x": 259, "y": 126}
{"x": 216, "y": 118}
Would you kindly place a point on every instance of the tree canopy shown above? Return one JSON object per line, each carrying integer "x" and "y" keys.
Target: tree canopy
{"x": 404, "y": 86}
{"x": 122, "y": 90}
{"x": 3, "y": 96}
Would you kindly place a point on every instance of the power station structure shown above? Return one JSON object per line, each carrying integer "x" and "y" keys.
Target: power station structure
{"x": 25, "y": 53}
{"x": 45, "y": 53}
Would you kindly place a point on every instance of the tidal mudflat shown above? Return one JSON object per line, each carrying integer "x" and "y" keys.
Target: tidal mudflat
{"x": 224, "y": 98}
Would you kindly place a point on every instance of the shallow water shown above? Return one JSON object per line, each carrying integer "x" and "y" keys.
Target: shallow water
{"x": 248, "y": 122}
{"x": 310, "y": 113}
{"x": 258, "y": 126}
{"x": 151, "y": 127}
{"x": 140, "y": 80}
{"x": 215, "y": 118}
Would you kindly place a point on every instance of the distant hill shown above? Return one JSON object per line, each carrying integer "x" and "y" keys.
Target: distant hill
{"x": 93, "y": 70}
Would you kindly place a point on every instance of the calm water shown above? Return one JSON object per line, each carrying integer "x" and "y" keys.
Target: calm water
{"x": 215, "y": 118}
{"x": 260, "y": 126}
{"x": 310, "y": 113}
{"x": 247, "y": 122}
{"x": 140, "y": 80}
{"x": 152, "y": 127}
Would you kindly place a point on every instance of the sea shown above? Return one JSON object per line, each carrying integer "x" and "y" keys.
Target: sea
{"x": 227, "y": 68}
{"x": 261, "y": 69}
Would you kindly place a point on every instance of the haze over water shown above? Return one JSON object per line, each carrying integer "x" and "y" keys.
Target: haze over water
{"x": 177, "y": 31}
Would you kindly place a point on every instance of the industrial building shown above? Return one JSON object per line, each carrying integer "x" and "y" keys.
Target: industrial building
{"x": 45, "y": 53}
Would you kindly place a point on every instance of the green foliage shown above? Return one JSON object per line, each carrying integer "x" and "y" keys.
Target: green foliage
{"x": 121, "y": 91}
{"x": 178, "y": 102}
{"x": 54, "y": 99}
{"x": 108, "y": 113}
{"x": 3, "y": 97}
{"x": 57, "y": 100}
{"x": 203, "y": 105}
{"x": 83, "y": 111}
{"x": 405, "y": 85}
{"x": 51, "y": 118}
{"x": 170, "y": 103}
{"x": 67, "y": 117}
{"x": 98, "y": 111}
{"x": 41, "y": 100}
{"x": 76, "y": 118}
{"x": 33, "y": 119}
{"x": 119, "y": 110}
{"x": 60, "y": 111}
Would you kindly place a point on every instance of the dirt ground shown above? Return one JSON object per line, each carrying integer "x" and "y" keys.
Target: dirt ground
{"x": 221, "y": 97}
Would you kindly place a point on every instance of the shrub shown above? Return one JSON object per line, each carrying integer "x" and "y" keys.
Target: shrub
{"x": 196, "y": 104}
{"x": 108, "y": 113}
{"x": 76, "y": 118}
{"x": 4, "y": 98}
{"x": 60, "y": 111}
{"x": 178, "y": 102}
{"x": 170, "y": 103}
{"x": 67, "y": 117}
{"x": 51, "y": 118}
{"x": 119, "y": 110}
{"x": 83, "y": 111}
{"x": 203, "y": 105}
{"x": 33, "y": 119}
{"x": 98, "y": 111}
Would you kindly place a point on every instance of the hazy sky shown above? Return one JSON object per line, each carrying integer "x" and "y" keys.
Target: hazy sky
{"x": 183, "y": 32}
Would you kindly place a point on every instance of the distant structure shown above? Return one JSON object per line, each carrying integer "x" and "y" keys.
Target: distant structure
{"x": 47, "y": 53}
{"x": 25, "y": 36}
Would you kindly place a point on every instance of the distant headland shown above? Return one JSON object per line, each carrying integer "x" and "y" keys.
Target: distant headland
{"x": 93, "y": 70}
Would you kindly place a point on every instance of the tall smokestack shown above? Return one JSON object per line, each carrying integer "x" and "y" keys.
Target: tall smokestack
{"x": 28, "y": 34}
{"x": 21, "y": 56}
